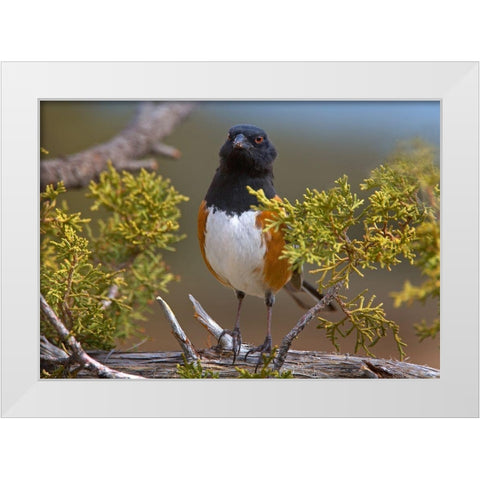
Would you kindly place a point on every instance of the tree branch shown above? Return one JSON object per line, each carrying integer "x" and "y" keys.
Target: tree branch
{"x": 127, "y": 151}
{"x": 177, "y": 331}
{"x": 302, "y": 364}
{"x": 166, "y": 150}
{"x": 78, "y": 354}
{"x": 301, "y": 324}
{"x": 224, "y": 339}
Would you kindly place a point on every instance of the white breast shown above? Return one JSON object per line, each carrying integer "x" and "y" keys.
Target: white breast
{"x": 235, "y": 250}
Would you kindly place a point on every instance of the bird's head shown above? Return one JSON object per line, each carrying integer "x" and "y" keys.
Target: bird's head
{"x": 247, "y": 149}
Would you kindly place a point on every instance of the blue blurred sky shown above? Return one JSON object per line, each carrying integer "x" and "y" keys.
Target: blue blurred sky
{"x": 384, "y": 122}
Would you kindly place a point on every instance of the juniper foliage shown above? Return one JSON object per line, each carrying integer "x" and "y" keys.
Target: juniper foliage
{"x": 265, "y": 370}
{"x": 342, "y": 234}
{"x": 195, "y": 370}
{"x": 80, "y": 269}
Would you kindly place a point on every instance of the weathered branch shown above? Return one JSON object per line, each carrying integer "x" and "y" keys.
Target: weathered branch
{"x": 178, "y": 332}
{"x": 78, "y": 353}
{"x": 166, "y": 150}
{"x": 301, "y": 324}
{"x": 51, "y": 356}
{"x": 126, "y": 151}
{"x": 302, "y": 364}
{"x": 224, "y": 340}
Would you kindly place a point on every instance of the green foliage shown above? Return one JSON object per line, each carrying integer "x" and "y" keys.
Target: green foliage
{"x": 405, "y": 200}
{"x": 79, "y": 270}
{"x": 265, "y": 371}
{"x": 70, "y": 283}
{"x": 194, "y": 370}
{"x": 365, "y": 320}
{"x": 424, "y": 330}
{"x": 426, "y": 244}
{"x": 143, "y": 214}
{"x": 142, "y": 221}
{"x": 316, "y": 230}
{"x": 343, "y": 235}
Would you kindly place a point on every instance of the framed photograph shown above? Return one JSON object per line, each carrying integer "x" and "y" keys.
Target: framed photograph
{"x": 319, "y": 126}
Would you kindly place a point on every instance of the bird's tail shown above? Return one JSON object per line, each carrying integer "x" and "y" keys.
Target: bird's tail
{"x": 305, "y": 294}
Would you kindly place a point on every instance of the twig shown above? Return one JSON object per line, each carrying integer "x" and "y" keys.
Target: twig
{"x": 225, "y": 340}
{"x": 112, "y": 293}
{"x": 126, "y": 151}
{"x": 138, "y": 344}
{"x": 135, "y": 165}
{"x": 51, "y": 354}
{"x": 133, "y": 347}
{"x": 301, "y": 324}
{"x": 78, "y": 353}
{"x": 166, "y": 150}
{"x": 207, "y": 321}
{"x": 177, "y": 331}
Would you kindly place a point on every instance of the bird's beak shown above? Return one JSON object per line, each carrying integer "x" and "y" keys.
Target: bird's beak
{"x": 240, "y": 141}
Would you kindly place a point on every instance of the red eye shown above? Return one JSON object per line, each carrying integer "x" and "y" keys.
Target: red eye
{"x": 259, "y": 140}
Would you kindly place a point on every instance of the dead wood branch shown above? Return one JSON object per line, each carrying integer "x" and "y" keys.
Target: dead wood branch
{"x": 178, "y": 332}
{"x": 166, "y": 150}
{"x": 51, "y": 356}
{"x": 78, "y": 354}
{"x": 301, "y": 324}
{"x": 126, "y": 151}
{"x": 225, "y": 341}
{"x": 303, "y": 364}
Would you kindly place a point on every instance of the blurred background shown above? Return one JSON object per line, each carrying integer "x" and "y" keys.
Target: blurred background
{"x": 317, "y": 142}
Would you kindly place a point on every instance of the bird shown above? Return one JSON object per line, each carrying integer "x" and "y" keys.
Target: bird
{"x": 233, "y": 243}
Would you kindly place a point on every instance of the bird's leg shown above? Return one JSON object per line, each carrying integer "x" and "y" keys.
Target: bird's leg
{"x": 266, "y": 346}
{"x": 235, "y": 333}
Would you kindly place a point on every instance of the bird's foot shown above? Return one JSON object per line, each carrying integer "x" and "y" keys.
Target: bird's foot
{"x": 236, "y": 341}
{"x": 264, "y": 348}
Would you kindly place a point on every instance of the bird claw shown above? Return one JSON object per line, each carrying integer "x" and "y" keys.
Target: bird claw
{"x": 264, "y": 348}
{"x": 236, "y": 341}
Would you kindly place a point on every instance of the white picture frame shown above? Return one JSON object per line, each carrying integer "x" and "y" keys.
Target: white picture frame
{"x": 454, "y": 84}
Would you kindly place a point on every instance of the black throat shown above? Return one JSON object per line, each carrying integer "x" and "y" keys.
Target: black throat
{"x": 228, "y": 190}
